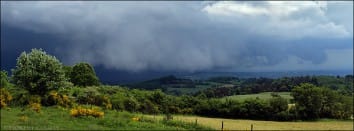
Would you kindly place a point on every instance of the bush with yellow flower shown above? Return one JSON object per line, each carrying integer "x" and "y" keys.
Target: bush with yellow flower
{"x": 135, "y": 119}
{"x": 5, "y": 97}
{"x": 23, "y": 118}
{"x": 34, "y": 103}
{"x": 54, "y": 98}
{"x": 81, "y": 111}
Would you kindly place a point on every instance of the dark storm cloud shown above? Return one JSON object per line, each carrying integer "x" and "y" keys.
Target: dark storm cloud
{"x": 185, "y": 36}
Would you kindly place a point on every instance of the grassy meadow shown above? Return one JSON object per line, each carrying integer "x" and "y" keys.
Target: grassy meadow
{"x": 239, "y": 124}
{"x": 263, "y": 95}
{"x": 57, "y": 118}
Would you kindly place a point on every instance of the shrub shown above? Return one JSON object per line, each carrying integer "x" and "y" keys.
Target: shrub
{"x": 81, "y": 111}
{"x": 34, "y": 103}
{"x": 23, "y": 118}
{"x": 91, "y": 96}
{"x": 148, "y": 107}
{"x": 284, "y": 116}
{"x": 35, "y": 107}
{"x": 34, "y": 99}
{"x": 118, "y": 101}
{"x": 5, "y": 97}
{"x": 131, "y": 104}
{"x": 135, "y": 119}
{"x": 103, "y": 100}
{"x": 20, "y": 96}
{"x": 187, "y": 111}
{"x": 38, "y": 72}
{"x": 54, "y": 98}
{"x": 87, "y": 95}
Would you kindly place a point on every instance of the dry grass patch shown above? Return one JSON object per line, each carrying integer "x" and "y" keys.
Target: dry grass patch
{"x": 235, "y": 124}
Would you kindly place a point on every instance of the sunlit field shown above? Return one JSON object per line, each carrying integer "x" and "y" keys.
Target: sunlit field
{"x": 57, "y": 118}
{"x": 263, "y": 95}
{"x": 238, "y": 124}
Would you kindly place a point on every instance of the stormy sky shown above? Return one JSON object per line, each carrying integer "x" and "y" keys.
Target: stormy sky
{"x": 183, "y": 36}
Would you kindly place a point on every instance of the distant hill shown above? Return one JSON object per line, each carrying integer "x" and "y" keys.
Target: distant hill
{"x": 270, "y": 74}
{"x": 221, "y": 86}
{"x": 163, "y": 83}
{"x": 121, "y": 77}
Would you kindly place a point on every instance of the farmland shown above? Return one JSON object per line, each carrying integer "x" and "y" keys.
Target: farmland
{"x": 239, "y": 124}
{"x": 263, "y": 95}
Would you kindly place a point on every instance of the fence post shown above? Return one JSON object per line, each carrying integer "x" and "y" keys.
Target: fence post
{"x": 196, "y": 121}
{"x": 222, "y": 125}
{"x": 251, "y": 127}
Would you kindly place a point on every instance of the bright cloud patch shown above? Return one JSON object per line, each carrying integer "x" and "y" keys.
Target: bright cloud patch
{"x": 292, "y": 20}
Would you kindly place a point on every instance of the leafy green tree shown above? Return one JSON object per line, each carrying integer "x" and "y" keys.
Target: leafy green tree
{"x": 256, "y": 108}
{"x": 329, "y": 102}
{"x": 344, "y": 110}
{"x": 4, "y": 80}
{"x": 278, "y": 108}
{"x": 67, "y": 71}
{"x": 83, "y": 74}
{"x": 308, "y": 99}
{"x": 38, "y": 72}
{"x": 278, "y": 104}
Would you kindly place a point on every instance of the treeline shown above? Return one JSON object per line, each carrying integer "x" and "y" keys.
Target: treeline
{"x": 310, "y": 102}
{"x": 228, "y": 85}
{"x": 41, "y": 80}
{"x": 344, "y": 85}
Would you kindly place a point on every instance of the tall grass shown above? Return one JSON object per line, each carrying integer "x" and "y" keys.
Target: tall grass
{"x": 56, "y": 118}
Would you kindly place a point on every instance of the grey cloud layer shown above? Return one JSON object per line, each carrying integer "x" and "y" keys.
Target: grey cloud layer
{"x": 187, "y": 36}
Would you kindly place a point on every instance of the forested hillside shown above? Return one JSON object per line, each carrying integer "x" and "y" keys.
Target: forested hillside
{"x": 216, "y": 87}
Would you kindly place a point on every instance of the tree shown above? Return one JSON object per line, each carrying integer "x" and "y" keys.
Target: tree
{"x": 278, "y": 104}
{"x": 38, "y": 72}
{"x": 4, "y": 80}
{"x": 83, "y": 74}
{"x": 67, "y": 71}
{"x": 256, "y": 108}
{"x": 308, "y": 99}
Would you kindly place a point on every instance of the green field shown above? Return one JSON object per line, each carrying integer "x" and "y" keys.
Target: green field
{"x": 53, "y": 118}
{"x": 263, "y": 95}
{"x": 239, "y": 124}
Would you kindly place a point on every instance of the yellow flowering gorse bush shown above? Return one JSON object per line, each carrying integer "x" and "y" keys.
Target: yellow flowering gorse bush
{"x": 35, "y": 107}
{"x": 34, "y": 103}
{"x": 5, "y": 97}
{"x": 60, "y": 99}
{"x": 23, "y": 118}
{"x": 135, "y": 119}
{"x": 80, "y": 111}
